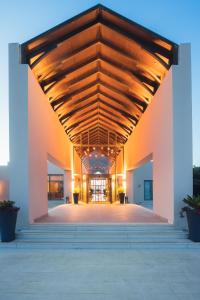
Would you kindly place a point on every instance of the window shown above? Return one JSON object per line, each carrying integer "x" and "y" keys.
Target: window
{"x": 148, "y": 190}
{"x": 55, "y": 186}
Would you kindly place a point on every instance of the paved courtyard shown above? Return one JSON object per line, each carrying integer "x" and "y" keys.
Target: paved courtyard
{"x": 99, "y": 275}
{"x": 101, "y": 213}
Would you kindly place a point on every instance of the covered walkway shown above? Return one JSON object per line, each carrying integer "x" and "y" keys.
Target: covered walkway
{"x": 101, "y": 213}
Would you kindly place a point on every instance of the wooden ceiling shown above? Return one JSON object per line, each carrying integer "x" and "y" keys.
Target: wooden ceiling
{"x": 99, "y": 71}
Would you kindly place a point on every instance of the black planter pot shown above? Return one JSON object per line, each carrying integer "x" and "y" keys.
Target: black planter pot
{"x": 76, "y": 196}
{"x": 8, "y": 218}
{"x": 193, "y": 219}
{"x": 122, "y": 198}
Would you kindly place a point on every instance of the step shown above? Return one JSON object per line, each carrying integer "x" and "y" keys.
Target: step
{"x": 185, "y": 244}
{"x": 101, "y": 236}
{"x": 99, "y": 227}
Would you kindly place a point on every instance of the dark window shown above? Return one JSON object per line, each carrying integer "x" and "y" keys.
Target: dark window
{"x": 148, "y": 190}
{"x": 55, "y": 186}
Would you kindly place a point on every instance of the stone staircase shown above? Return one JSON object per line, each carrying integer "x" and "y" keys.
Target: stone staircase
{"x": 101, "y": 236}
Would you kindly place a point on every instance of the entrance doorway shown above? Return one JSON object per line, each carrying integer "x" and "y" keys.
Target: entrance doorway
{"x": 99, "y": 189}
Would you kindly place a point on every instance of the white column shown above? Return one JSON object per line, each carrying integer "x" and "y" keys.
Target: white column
{"x": 130, "y": 185}
{"x": 67, "y": 184}
{"x": 182, "y": 130}
{"x": 18, "y": 133}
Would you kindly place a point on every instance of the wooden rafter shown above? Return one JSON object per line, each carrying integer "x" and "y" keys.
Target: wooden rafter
{"x": 98, "y": 88}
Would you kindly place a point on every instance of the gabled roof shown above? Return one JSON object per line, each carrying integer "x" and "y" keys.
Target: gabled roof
{"x": 99, "y": 71}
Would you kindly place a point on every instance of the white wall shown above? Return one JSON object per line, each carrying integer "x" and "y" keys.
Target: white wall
{"x": 35, "y": 135}
{"x": 135, "y": 182}
{"x": 53, "y": 169}
{"x": 164, "y": 133}
{"x": 139, "y": 175}
{"x": 4, "y": 183}
{"x": 182, "y": 131}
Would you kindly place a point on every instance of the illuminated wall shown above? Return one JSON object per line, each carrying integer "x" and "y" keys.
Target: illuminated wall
{"x": 164, "y": 133}
{"x": 4, "y": 183}
{"x": 35, "y": 137}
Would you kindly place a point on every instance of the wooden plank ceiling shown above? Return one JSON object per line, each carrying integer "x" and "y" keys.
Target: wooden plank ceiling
{"x": 99, "y": 71}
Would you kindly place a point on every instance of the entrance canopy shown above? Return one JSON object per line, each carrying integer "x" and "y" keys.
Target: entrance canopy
{"x": 99, "y": 71}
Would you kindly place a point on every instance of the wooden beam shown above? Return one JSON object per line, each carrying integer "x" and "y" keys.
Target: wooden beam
{"x": 147, "y": 46}
{"x": 47, "y": 46}
{"x": 115, "y": 100}
{"x": 68, "y": 115}
{"x": 65, "y": 72}
{"x": 130, "y": 71}
{"x": 124, "y": 127}
{"x": 124, "y": 82}
{"x": 112, "y": 113}
{"x": 87, "y": 113}
{"x": 121, "y": 111}
{"x": 106, "y": 44}
{"x": 74, "y": 81}
{"x": 83, "y": 99}
{"x": 65, "y": 98}
{"x": 74, "y": 125}
{"x": 126, "y": 94}
{"x": 134, "y": 73}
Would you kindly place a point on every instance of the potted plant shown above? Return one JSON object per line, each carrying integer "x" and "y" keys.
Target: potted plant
{"x": 192, "y": 211}
{"x": 8, "y": 218}
{"x": 121, "y": 195}
{"x": 76, "y": 195}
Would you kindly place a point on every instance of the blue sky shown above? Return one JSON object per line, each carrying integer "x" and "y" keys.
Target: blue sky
{"x": 20, "y": 20}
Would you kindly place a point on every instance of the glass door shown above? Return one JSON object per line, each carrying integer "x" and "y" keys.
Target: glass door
{"x": 98, "y": 190}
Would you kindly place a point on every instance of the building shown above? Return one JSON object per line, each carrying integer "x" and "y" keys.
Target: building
{"x": 99, "y": 96}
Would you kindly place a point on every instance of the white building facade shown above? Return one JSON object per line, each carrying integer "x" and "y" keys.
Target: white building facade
{"x": 162, "y": 136}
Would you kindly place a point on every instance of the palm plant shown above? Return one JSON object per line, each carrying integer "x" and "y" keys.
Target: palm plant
{"x": 193, "y": 203}
{"x": 6, "y": 204}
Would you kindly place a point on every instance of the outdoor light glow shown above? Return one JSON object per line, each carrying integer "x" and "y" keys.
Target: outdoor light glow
{"x": 72, "y": 184}
{"x": 1, "y": 187}
{"x": 124, "y": 181}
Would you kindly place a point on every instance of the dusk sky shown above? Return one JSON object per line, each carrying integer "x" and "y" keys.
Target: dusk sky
{"x": 177, "y": 20}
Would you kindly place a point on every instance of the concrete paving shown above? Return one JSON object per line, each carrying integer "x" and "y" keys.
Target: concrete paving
{"x": 101, "y": 213}
{"x": 99, "y": 275}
